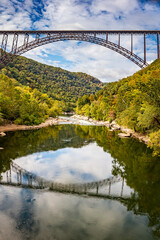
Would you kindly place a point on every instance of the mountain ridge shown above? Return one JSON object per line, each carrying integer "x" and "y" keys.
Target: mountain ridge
{"x": 58, "y": 83}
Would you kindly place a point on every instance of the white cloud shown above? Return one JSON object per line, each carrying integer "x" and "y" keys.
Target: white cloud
{"x": 115, "y": 7}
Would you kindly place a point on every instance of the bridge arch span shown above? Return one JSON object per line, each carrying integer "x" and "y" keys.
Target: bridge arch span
{"x": 85, "y": 38}
{"x": 79, "y": 36}
{"x": 17, "y": 176}
{"x": 35, "y": 181}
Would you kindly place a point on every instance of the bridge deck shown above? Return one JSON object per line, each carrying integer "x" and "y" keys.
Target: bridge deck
{"x": 81, "y": 31}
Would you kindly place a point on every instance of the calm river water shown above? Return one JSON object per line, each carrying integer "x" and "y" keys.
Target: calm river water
{"x": 77, "y": 182}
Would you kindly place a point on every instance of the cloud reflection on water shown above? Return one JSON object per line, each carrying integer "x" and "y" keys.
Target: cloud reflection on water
{"x": 89, "y": 163}
{"x": 61, "y": 216}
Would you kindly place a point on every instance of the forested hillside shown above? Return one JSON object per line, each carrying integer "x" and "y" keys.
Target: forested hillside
{"x": 22, "y": 105}
{"x": 56, "y": 82}
{"x": 133, "y": 102}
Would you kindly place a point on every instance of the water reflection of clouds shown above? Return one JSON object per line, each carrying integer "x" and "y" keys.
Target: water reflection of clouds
{"x": 60, "y": 216}
{"x": 89, "y": 163}
{"x": 9, "y": 211}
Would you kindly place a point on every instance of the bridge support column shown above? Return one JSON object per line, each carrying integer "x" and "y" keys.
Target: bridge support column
{"x": 17, "y": 177}
{"x": 7, "y": 176}
{"x": 37, "y": 37}
{"x": 158, "y": 54}
{"x": 106, "y": 37}
{"x": 26, "y": 39}
{"x": 131, "y": 43}
{"x": 20, "y": 177}
{"x": 109, "y": 188}
{"x": 144, "y": 48}
{"x": 4, "y": 44}
{"x": 10, "y": 175}
{"x": 119, "y": 38}
{"x": 122, "y": 187}
{"x": 29, "y": 180}
{"x": 97, "y": 189}
{"x": 48, "y": 35}
{"x": 14, "y": 44}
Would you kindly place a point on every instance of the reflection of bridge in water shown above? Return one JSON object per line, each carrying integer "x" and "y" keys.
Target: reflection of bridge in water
{"x": 18, "y": 176}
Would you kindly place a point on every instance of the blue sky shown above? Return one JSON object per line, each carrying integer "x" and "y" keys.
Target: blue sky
{"x": 84, "y": 14}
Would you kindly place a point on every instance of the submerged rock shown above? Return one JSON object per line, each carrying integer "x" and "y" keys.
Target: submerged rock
{"x": 124, "y": 135}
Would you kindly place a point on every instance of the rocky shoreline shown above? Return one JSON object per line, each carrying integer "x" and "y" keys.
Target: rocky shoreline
{"x": 125, "y": 132}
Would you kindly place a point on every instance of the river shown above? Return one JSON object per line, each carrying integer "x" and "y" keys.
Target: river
{"x": 78, "y": 182}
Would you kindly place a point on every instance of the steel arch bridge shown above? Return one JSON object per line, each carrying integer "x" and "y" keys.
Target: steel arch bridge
{"x": 99, "y": 37}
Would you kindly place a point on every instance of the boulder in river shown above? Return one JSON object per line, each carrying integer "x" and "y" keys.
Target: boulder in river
{"x": 107, "y": 124}
{"x": 124, "y": 135}
{"x": 116, "y": 127}
{"x": 2, "y": 134}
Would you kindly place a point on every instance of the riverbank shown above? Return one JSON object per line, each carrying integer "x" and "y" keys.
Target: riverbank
{"x": 77, "y": 120}
{"x": 126, "y": 132}
{"x": 14, "y": 127}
